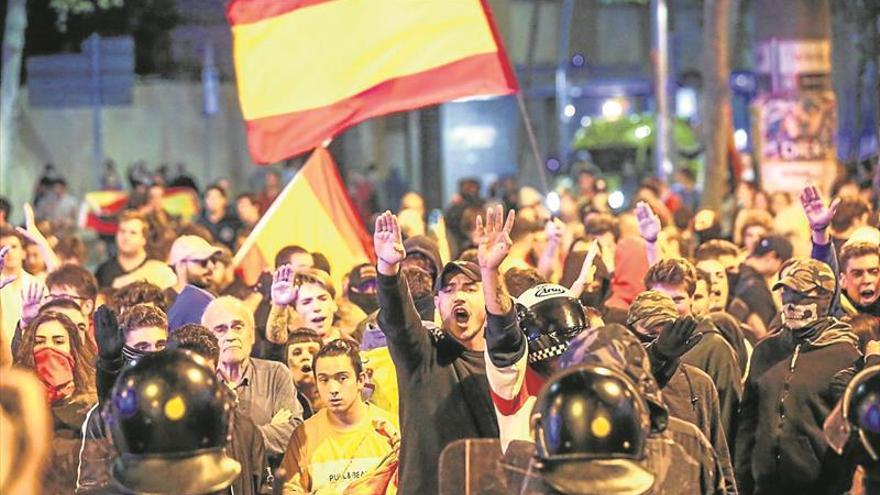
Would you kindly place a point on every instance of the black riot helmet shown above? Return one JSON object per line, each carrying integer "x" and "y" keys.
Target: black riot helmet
{"x": 861, "y": 408}
{"x": 550, "y": 316}
{"x": 590, "y": 427}
{"x": 169, "y": 418}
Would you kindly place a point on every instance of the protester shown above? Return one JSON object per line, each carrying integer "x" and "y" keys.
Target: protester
{"x": 780, "y": 447}
{"x": 13, "y": 280}
{"x": 248, "y": 209}
{"x": 303, "y": 345}
{"x": 131, "y": 263}
{"x": 302, "y": 298}
{"x": 689, "y": 392}
{"x": 264, "y": 390}
{"x": 193, "y": 261}
{"x": 52, "y": 346}
{"x": 143, "y": 330}
{"x": 215, "y": 216}
{"x": 752, "y": 283}
{"x": 442, "y": 379}
{"x": 346, "y": 440}
{"x": 677, "y": 278}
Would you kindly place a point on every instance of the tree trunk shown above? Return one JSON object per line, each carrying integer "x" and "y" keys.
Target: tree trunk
{"x": 715, "y": 114}
{"x": 10, "y": 78}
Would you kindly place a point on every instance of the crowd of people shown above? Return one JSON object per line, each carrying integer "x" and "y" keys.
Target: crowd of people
{"x": 658, "y": 348}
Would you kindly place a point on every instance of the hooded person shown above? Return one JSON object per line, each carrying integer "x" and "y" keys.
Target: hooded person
{"x": 628, "y": 280}
{"x": 423, "y": 252}
{"x": 789, "y": 394}
{"x": 689, "y": 392}
{"x": 361, "y": 288}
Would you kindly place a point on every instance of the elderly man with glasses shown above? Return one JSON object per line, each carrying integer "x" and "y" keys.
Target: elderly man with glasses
{"x": 264, "y": 389}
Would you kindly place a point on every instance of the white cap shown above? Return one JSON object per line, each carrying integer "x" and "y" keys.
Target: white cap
{"x": 191, "y": 248}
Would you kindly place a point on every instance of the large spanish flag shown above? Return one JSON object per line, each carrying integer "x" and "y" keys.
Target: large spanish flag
{"x": 313, "y": 211}
{"x": 308, "y": 69}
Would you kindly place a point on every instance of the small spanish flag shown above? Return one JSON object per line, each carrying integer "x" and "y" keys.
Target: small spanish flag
{"x": 101, "y": 208}
{"x": 308, "y": 69}
{"x": 313, "y": 211}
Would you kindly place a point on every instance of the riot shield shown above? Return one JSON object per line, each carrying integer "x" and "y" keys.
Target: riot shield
{"x": 472, "y": 467}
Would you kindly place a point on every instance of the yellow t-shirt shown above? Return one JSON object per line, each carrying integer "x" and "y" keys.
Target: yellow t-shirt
{"x": 383, "y": 380}
{"x": 320, "y": 456}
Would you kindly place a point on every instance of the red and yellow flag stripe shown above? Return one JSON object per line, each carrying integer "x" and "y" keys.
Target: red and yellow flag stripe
{"x": 307, "y": 69}
{"x": 314, "y": 212}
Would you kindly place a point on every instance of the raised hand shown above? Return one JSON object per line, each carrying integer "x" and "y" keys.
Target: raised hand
{"x": 4, "y": 280}
{"x": 283, "y": 290}
{"x": 108, "y": 336}
{"x": 30, "y": 230}
{"x": 31, "y": 300}
{"x": 677, "y": 338}
{"x": 554, "y": 229}
{"x": 649, "y": 222}
{"x": 439, "y": 228}
{"x": 817, "y": 213}
{"x": 494, "y": 237}
{"x": 388, "y": 243}
{"x": 33, "y": 234}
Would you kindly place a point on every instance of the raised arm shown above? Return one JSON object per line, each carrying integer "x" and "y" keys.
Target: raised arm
{"x": 819, "y": 216}
{"x": 283, "y": 294}
{"x": 649, "y": 229}
{"x": 588, "y": 271}
{"x": 549, "y": 266}
{"x": 34, "y": 235}
{"x": 439, "y": 230}
{"x": 494, "y": 245}
{"x": 408, "y": 341}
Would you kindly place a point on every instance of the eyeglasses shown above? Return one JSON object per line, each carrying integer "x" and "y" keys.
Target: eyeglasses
{"x": 205, "y": 263}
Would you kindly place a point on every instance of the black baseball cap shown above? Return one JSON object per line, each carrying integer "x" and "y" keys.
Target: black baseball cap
{"x": 468, "y": 268}
{"x": 774, "y": 244}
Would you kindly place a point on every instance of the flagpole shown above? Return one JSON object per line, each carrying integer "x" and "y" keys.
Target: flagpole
{"x": 533, "y": 143}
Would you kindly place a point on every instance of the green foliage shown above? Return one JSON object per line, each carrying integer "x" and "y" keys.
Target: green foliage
{"x": 66, "y": 8}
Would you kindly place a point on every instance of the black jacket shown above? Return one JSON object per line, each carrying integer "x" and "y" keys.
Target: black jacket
{"x": 444, "y": 393}
{"x": 691, "y": 396}
{"x": 780, "y": 446}
{"x": 714, "y": 355}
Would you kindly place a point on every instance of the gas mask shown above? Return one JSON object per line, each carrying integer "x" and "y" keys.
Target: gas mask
{"x": 800, "y": 310}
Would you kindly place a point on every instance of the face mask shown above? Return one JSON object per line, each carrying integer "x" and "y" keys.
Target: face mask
{"x": 130, "y": 354}
{"x": 367, "y": 302}
{"x": 799, "y": 311}
{"x": 55, "y": 369}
